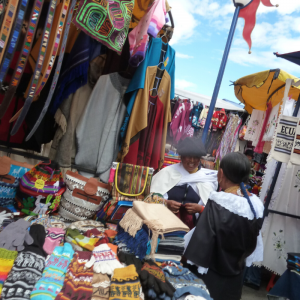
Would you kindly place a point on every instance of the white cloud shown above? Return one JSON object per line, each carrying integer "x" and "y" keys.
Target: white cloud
{"x": 181, "y": 55}
{"x": 286, "y": 7}
{"x": 183, "y": 84}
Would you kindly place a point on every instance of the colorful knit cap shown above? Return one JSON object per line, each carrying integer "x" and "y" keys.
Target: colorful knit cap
{"x": 50, "y": 285}
{"x": 78, "y": 280}
{"x": 104, "y": 260}
{"x": 125, "y": 284}
{"x": 7, "y": 258}
{"x": 54, "y": 236}
{"x": 78, "y": 239}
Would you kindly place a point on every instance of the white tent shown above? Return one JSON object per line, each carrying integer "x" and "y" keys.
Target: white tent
{"x": 206, "y": 100}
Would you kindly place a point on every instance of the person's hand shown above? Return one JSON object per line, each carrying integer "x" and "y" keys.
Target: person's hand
{"x": 193, "y": 208}
{"x": 173, "y": 206}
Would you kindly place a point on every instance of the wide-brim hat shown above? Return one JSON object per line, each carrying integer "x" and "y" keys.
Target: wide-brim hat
{"x": 191, "y": 147}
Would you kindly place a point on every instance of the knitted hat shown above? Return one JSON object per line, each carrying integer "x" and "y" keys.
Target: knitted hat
{"x": 191, "y": 147}
{"x": 125, "y": 284}
{"x": 53, "y": 239}
{"x": 104, "y": 260}
{"x": 7, "y": 258}
{"x": 100, "y": 284}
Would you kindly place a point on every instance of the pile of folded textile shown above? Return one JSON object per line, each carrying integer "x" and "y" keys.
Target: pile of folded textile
{"x": 152, "y": 230}
{"x": 293, "y": 262}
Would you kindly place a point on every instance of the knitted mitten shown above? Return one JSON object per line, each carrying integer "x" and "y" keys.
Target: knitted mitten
{"x": 153, "y": 280}
{"x": 100, "y": 284}
{"x": 130, "y": 259}
{"x": 14, "y": 235}
{"x": 81, "y": 240}
{"x": 53, "y": 239}
{"x": 49, "y": 286}
{"x": 28, "y": 267}
{"x": 78, "y": 280}
{"x": 7, "y": 258}
{"x": 104, "y": 260}
{"x": 125, "y": 284}
{"x": 95, "y": 233}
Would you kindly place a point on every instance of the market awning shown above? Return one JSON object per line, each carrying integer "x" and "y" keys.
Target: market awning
{"x": 293, "y": 57}
{"x": 228, "y": 105}
{"x": 257, "y": 89}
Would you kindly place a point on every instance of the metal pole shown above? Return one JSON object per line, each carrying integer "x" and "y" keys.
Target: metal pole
{"x": 221, "y": 73}
{"x": 278, "y": 167}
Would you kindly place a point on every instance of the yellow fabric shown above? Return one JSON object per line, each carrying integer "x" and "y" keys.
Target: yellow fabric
{"x": 139, "y": 116}
{"x": 33, "y": 58}
{"x": 125, "y": 284}
{"x": 7, "y": 258}
{"x": 254, "y": 90}
{"x": 139, "y": 10}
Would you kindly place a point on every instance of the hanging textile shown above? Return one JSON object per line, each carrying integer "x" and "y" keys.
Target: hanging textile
{"x": 271, "y": 125}
{"x": 75, "y": 69}
{"x": 100, "y": 124}
{"x": 38, "y": 66}
{"x": 281, "y": 234}
{"x": 57, "y": 71}
{"x": 14, "y": 39}
{"x": 9, "y": 18}
{"x": 106, "y": 21}
{"x": 23, "y": 57}
{"x": 284, "y": 138}
{"x": 253, "y": 129}
{"x": 150, "y": 25}
{"x": 219, "y": 119}
{"x": 139, "y": 10}
{"x": 138, "y": 119}
{"x": 153, "y": 58}
{"x": 230, "y": 136}
{"x": 260, "y": 144}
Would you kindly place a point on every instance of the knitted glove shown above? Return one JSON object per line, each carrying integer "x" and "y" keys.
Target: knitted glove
{"x": 104, "y": 260}
{"x": 14, "y": 236}
{"x": 53, "y": 239}
{"x": 130, "y": 259}
{"x": 153, "y": 279}
{"x": 5, "y": 215}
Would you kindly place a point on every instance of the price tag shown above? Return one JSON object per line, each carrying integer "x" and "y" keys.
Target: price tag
{"x": 39, "y": 184}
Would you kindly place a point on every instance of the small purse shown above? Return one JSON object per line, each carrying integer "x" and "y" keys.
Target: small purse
{"x": 40, "y": 189}
{"x": 83, "y": 198}
{"x": 10, "y": 173}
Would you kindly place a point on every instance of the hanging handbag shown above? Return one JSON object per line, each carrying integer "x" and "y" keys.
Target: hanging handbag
{"x": 40, "y": 189}
{"x": 129, "y": 183}
{"x": 10, "y": 173}
{"x": 83, "y": 198}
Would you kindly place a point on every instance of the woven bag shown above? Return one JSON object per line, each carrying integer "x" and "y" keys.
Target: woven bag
{"x": 83, "y": 198}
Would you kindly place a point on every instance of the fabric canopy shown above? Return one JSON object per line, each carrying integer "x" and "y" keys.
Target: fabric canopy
{"x": 228, "y": 105}
{"x": 293, "y": 57}
{"x": 257, "y": 89}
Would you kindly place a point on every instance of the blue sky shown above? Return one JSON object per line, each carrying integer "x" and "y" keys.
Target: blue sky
{"x": 201, "y": 29}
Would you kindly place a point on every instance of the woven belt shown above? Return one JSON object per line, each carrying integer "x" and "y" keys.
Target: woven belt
{"x": 57, "y": 72}
{"x": 14, "y": 39}
{"x": 34, "y": 18}
{"x": 7, "y": 25}
{"x": 38, "y": 67}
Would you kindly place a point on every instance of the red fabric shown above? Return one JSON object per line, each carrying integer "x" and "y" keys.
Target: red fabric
{"x": 177, "y": 124}
{"x": 260, "y": 145}
{"x": 131, "y": 157}
{"x": 186, "y": 218}
{"x": 219, "y": 119}
{"x": 188, "y": 130}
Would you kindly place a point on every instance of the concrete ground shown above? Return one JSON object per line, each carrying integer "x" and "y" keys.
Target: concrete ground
{"x": 251, "y": 294}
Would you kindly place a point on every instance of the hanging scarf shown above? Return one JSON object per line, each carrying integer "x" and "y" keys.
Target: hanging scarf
{"x": 14, "y": 39}
{"x": 34, "y": 19}
{"x": 57, "y": 72}
{"x": 38, "y": 67}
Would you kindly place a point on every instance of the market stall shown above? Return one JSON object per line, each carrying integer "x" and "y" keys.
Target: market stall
{"x": 272, "y": 99}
